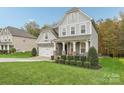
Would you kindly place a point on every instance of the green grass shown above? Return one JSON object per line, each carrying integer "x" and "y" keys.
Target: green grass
{"x": 16, "y": 55}
{"x": 112, "y": 72}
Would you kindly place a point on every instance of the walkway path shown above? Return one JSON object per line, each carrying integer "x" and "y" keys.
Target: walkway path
{"x": 38, "y": 58}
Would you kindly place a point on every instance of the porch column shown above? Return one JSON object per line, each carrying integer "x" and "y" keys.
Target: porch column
{"x": 63, "y": 48}
{"x": 0, "y": 47}
{"x": 54, "y": 46}
{"x": 54, "y": 49}
{"x": 74, "y": 48}
{"x": 87, "y": 46}
{"x": 8, "y": 48}
{"x": 3, "y": 47}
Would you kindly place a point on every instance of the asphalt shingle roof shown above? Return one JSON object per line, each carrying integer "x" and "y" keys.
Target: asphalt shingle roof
{"x": 19, "y": 32}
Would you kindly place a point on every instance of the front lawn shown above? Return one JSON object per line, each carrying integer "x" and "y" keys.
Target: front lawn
{"x": 112, "y": 72}
{"x": 16, "y": 55}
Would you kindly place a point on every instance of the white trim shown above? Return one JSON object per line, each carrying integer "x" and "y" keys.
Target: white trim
{"x": 63, "y": 46}
{"x": 91, "y": 28}
{"x": 82, "y": 12}
{"x": 87, "y": 46}
{"x": 54, "y": 47}
{"x": 74, "y": 46}
{"x": 59, "y": 31}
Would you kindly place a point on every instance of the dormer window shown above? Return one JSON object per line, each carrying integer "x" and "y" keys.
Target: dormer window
{"x": 64, "y": 32}
{"x": 82, "y": 29}
{"x": 45, "y": 36}
{"x": 72, "y": 30}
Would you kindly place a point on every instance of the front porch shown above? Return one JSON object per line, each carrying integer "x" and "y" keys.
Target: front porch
{"x": 5, "y": 47}
{"x": 72, "y": 47}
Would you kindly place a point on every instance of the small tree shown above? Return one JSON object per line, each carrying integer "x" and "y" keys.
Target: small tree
{"x": 34, "y": 52}
{"x": 93, "y": 57}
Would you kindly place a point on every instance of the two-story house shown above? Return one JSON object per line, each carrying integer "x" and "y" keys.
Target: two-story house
{"x": 11, "y": 37}
{"x": 73, "y": 35}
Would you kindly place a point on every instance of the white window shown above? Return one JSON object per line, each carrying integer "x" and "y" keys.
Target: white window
{"x": 83, "y": 29}
{"x": 64, "y": 31}
{"x": 72, "y": 30}
{"x": 82, "y": 48}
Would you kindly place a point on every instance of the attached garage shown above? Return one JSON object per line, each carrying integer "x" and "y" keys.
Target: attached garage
{"x": 46, "y": 51}
{"x": 45, "y": 42}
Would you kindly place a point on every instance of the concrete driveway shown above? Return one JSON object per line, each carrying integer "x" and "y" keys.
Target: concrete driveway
{"x": 38, "y": 58}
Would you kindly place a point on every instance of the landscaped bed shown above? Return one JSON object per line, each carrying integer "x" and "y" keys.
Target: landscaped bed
{"x": 112, "y": 72}
{"x": 16, "y": 55}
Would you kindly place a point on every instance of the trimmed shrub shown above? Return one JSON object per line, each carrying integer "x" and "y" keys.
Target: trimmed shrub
{"x": 13, "y": 50}
{"x": 87, "y": 64}
{"x": 83, "y": 59}
{"x": 93, "y": 57}
{"x": 70, "y": 57}
{"x": 57, "y": 60}
{"x": 63, "y": 57}
{"x": 4, "y": 52}
{"x": 72, "y": 62}
{"x": 79, "y": 63}
{"x": 52, "y": 57}
{"x": 34, "y": 52}
{"x": 67, "y": 62}
{"x": 61, "y": 61}
{"x": 77, "y": 58}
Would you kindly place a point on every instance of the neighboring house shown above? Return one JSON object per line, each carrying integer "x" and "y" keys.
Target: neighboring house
{"x": 73, "y": 35}
{"x": 11, "y": 37}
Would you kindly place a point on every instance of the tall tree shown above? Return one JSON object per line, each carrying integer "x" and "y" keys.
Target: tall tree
{"x": 45, "y": 26}
{"x": 108, "y": 37}
{"x": 121, "y": 33}
{"x": 33, "y": 28}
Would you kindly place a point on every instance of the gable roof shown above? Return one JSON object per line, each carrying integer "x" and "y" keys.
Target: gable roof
{"x": 74, "y": 9}
{"x": 19, "y": 32}
{"x": 51, "y": 30}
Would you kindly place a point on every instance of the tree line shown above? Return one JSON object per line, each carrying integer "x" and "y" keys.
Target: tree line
{"x": 111, "y": 36}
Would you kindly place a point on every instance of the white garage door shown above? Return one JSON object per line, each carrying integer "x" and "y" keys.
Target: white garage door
{"x": 45, "y": 51}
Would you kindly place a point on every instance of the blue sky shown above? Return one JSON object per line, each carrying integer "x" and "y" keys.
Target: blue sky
{"x": 17, "y": 17}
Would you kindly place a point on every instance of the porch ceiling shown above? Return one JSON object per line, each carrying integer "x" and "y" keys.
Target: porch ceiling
{"x": 73, "y": 38}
